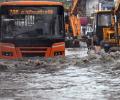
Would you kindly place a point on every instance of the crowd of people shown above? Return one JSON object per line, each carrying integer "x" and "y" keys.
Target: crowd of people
{"x": 93, "y": 43}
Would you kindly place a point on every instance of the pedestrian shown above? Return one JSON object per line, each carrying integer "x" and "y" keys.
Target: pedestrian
{"x": 89, "y": 41}
{"x": 97, "y": 44}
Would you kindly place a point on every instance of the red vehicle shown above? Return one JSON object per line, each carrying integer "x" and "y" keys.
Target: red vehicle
{"x": 31, "y": 28}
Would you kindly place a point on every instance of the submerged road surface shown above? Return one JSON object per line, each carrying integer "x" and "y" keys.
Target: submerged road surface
{"x": 74, "y": 77}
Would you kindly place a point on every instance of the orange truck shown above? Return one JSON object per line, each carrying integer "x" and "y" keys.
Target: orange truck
{"x": 109, "y": 27}
{"x": 31, "y": 28}
{"x": 117, "y": 20}
{"x": 72, "y": 26}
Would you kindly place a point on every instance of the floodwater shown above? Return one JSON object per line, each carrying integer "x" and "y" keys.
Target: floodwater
{"x": 74, "y": 77}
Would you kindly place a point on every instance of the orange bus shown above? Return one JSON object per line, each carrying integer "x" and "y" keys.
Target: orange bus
{"x": 31, "y": 28}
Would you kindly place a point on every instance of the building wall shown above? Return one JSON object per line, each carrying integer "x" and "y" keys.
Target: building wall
{"x": 106, "y": 4}
{"x": 91, "y": 6}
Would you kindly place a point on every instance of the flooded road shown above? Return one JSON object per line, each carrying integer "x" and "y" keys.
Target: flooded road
{"x": 74, "y": 77}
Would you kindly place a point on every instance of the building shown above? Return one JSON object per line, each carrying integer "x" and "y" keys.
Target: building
{"x": 93, "y": 5}
{"x": 106, "y": 4}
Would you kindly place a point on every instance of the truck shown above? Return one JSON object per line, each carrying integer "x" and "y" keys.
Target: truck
{"x": 72, "y": 26}
{"x": 104, "y": 28}
{"x": 116, "y": 13}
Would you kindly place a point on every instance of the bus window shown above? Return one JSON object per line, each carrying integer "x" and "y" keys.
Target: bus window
{"x": 29, "y": 21}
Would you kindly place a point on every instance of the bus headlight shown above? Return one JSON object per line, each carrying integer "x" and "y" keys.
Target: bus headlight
{"x": 57, "y": 53}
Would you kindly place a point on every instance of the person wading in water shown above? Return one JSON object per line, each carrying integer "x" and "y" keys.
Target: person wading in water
{"x": 97, "y": 44}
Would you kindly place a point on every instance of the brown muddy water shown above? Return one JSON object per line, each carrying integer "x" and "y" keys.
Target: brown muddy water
{"x": 78, "y": 76}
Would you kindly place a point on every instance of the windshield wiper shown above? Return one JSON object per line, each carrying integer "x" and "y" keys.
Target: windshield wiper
{"x": 33, "y": 33}
{"x": 7, "y": 20}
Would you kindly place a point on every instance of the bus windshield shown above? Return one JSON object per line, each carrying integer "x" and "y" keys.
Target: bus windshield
{"x": 104, "y": 20}
{"x": 32, "y": 21}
